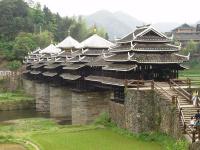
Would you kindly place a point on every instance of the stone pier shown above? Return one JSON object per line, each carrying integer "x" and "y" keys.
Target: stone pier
{"x": 29, "y": 86}
{"x": 87, "y": 106}
{"x": 42, "y": 96}
{"x": 60, "y": 102}
{"x": 145, "y": 111}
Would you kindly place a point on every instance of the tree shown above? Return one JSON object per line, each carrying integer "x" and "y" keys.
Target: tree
{"x": 13, "y": 14}
{"x": 43, "y": 39}
{"x": 14, "y": 65}
{"x": 24, "y": 43}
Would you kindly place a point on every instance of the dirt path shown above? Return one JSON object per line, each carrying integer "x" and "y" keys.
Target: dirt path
{"x": 11, "y": 147}
{"x": 32, "y": 144}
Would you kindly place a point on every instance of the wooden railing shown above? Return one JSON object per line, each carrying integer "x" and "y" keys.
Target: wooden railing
{"x": 176, "y": 85}
{"x": 173, "y": 84}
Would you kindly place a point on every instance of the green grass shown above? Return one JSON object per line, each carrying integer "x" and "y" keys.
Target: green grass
{"x": 14, "y": 96}
{"x": 50, "y": 136}
{"x": 98, "y": 139}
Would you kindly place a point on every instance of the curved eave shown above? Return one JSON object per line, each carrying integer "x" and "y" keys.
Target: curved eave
{"x": 122, "y": 42}
{"x": 152, "y": 41}
{"x": 159, "y": 62}
{"x": 94, "y": 47}
{"x": 120, "y": 51}
{"x": 183, "y": 67}
{"x": 163, "y": 50}
{"x": 122, "y": 70}
{"x": 92, "y": 54}
{"x": 109, "y": 60}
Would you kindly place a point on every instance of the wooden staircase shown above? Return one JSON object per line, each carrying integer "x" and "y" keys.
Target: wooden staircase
{"x": 176, "y": 93}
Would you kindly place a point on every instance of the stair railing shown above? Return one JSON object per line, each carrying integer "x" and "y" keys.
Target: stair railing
{"x": 181, "y": 91}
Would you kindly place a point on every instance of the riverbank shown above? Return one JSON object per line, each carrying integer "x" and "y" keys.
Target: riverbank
{"x": 48, "y": 135}
{"x": 16, "y": 101}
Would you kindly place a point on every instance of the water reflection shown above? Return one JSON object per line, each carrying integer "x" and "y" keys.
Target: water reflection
{"x": 21, "y": 114}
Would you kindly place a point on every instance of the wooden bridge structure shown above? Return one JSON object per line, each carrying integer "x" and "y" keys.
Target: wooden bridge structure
{"x": 179, "y": 93}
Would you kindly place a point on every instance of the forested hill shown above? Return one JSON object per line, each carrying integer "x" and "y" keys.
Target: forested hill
{"x": 24, "y": 28}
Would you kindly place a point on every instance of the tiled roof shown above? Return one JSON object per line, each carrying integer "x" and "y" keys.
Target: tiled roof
{"x": 35, "y": 72}
{"x": 187, "y": 36}
{"x": 106, "y": 80}
{"x": 98, "y": 62}
{"x": 49, "y": 74}
{"x": 68, "y": 76}
{"x": 120, "y": 67}
{"x": 95, "y": 41}
{"x": 155, "y": 47}
{"x": 158, "y": 58}
{"x": 73, "y": 66}
{"x": 37, "y": 65}
{"x": 53, "y": 65}
{"x": 68, "y": 42}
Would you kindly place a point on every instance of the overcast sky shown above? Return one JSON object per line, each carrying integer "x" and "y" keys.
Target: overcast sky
{"x": 150, "y": 11}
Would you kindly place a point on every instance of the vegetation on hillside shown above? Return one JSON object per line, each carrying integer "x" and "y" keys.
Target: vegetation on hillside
{"x": 194, "y": 63}
{"x": 25, "y": 26}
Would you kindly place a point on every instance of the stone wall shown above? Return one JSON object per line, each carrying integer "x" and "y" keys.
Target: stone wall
{"x": 87, "y": 106}
{"x": 146, "y": 111}
{"x": 117, "y": 113}
{"x": 29, "y": 86}
{"x": 42, "y": 95}
{"x": 60, "y": 102}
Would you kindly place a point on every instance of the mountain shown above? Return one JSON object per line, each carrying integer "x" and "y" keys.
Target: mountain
{"x": 118, "y": 24}
{"x": 127, "y": 19}
{"x": 166, "y": 26}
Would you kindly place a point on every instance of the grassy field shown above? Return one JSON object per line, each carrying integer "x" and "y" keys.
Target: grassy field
{"x": 98, "y": 139}
{"x": 14, "y": 96}
{"x": 49, "y": 136}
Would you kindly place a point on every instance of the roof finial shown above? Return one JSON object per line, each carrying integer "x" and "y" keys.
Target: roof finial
{"x": 69, "y": 32}
{"x": 95, "y": 29}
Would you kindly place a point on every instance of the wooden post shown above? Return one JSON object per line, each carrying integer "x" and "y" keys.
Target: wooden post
{"x": 173, "y": 99}
{"x": 198, "y": 132}
{"x": 137, "y": 84}
{"x": 184, "y": 128}
{"x": 152, "y": 85}
{"x": 193, "y": 136}
{"x": 189, "y": 83}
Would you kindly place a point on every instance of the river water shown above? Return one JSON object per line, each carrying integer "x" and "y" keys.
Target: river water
{"x": 21, "y": 114}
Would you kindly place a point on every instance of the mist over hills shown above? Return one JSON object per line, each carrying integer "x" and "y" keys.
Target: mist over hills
{"x": 118, "y": 24}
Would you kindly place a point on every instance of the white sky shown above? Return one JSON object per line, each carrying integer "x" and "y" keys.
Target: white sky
{"x": 150, "y": 11}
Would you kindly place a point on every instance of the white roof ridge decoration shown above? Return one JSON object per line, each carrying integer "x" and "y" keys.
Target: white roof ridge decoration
{"x": 176, "y": 46}
{"x": 104, "y": 55}
{"x": 56, "y": 59}
{"x": 143, "y": 26}
{"x": 187, "y": 57}
{"x": 80, "y": 58}
{"x": 132, "y": 32}
{"x": 61, "y": 52}
{"x": 68, "y": 42}
{"x": 154, "y": 30}
{"x": 129, "y": 55}
{"x": 35, "y": 51}
{"x": 95, "y": 41}
{"x": 83, "y": 51}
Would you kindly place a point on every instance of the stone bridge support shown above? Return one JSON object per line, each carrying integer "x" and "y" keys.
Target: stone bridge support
{"x": 29, "y": 86}
{"x": 60, "y": 102}
{"x": 145, "y": 111}
{"x": 42, "y": 96}
{"x": 87, "y": 106}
